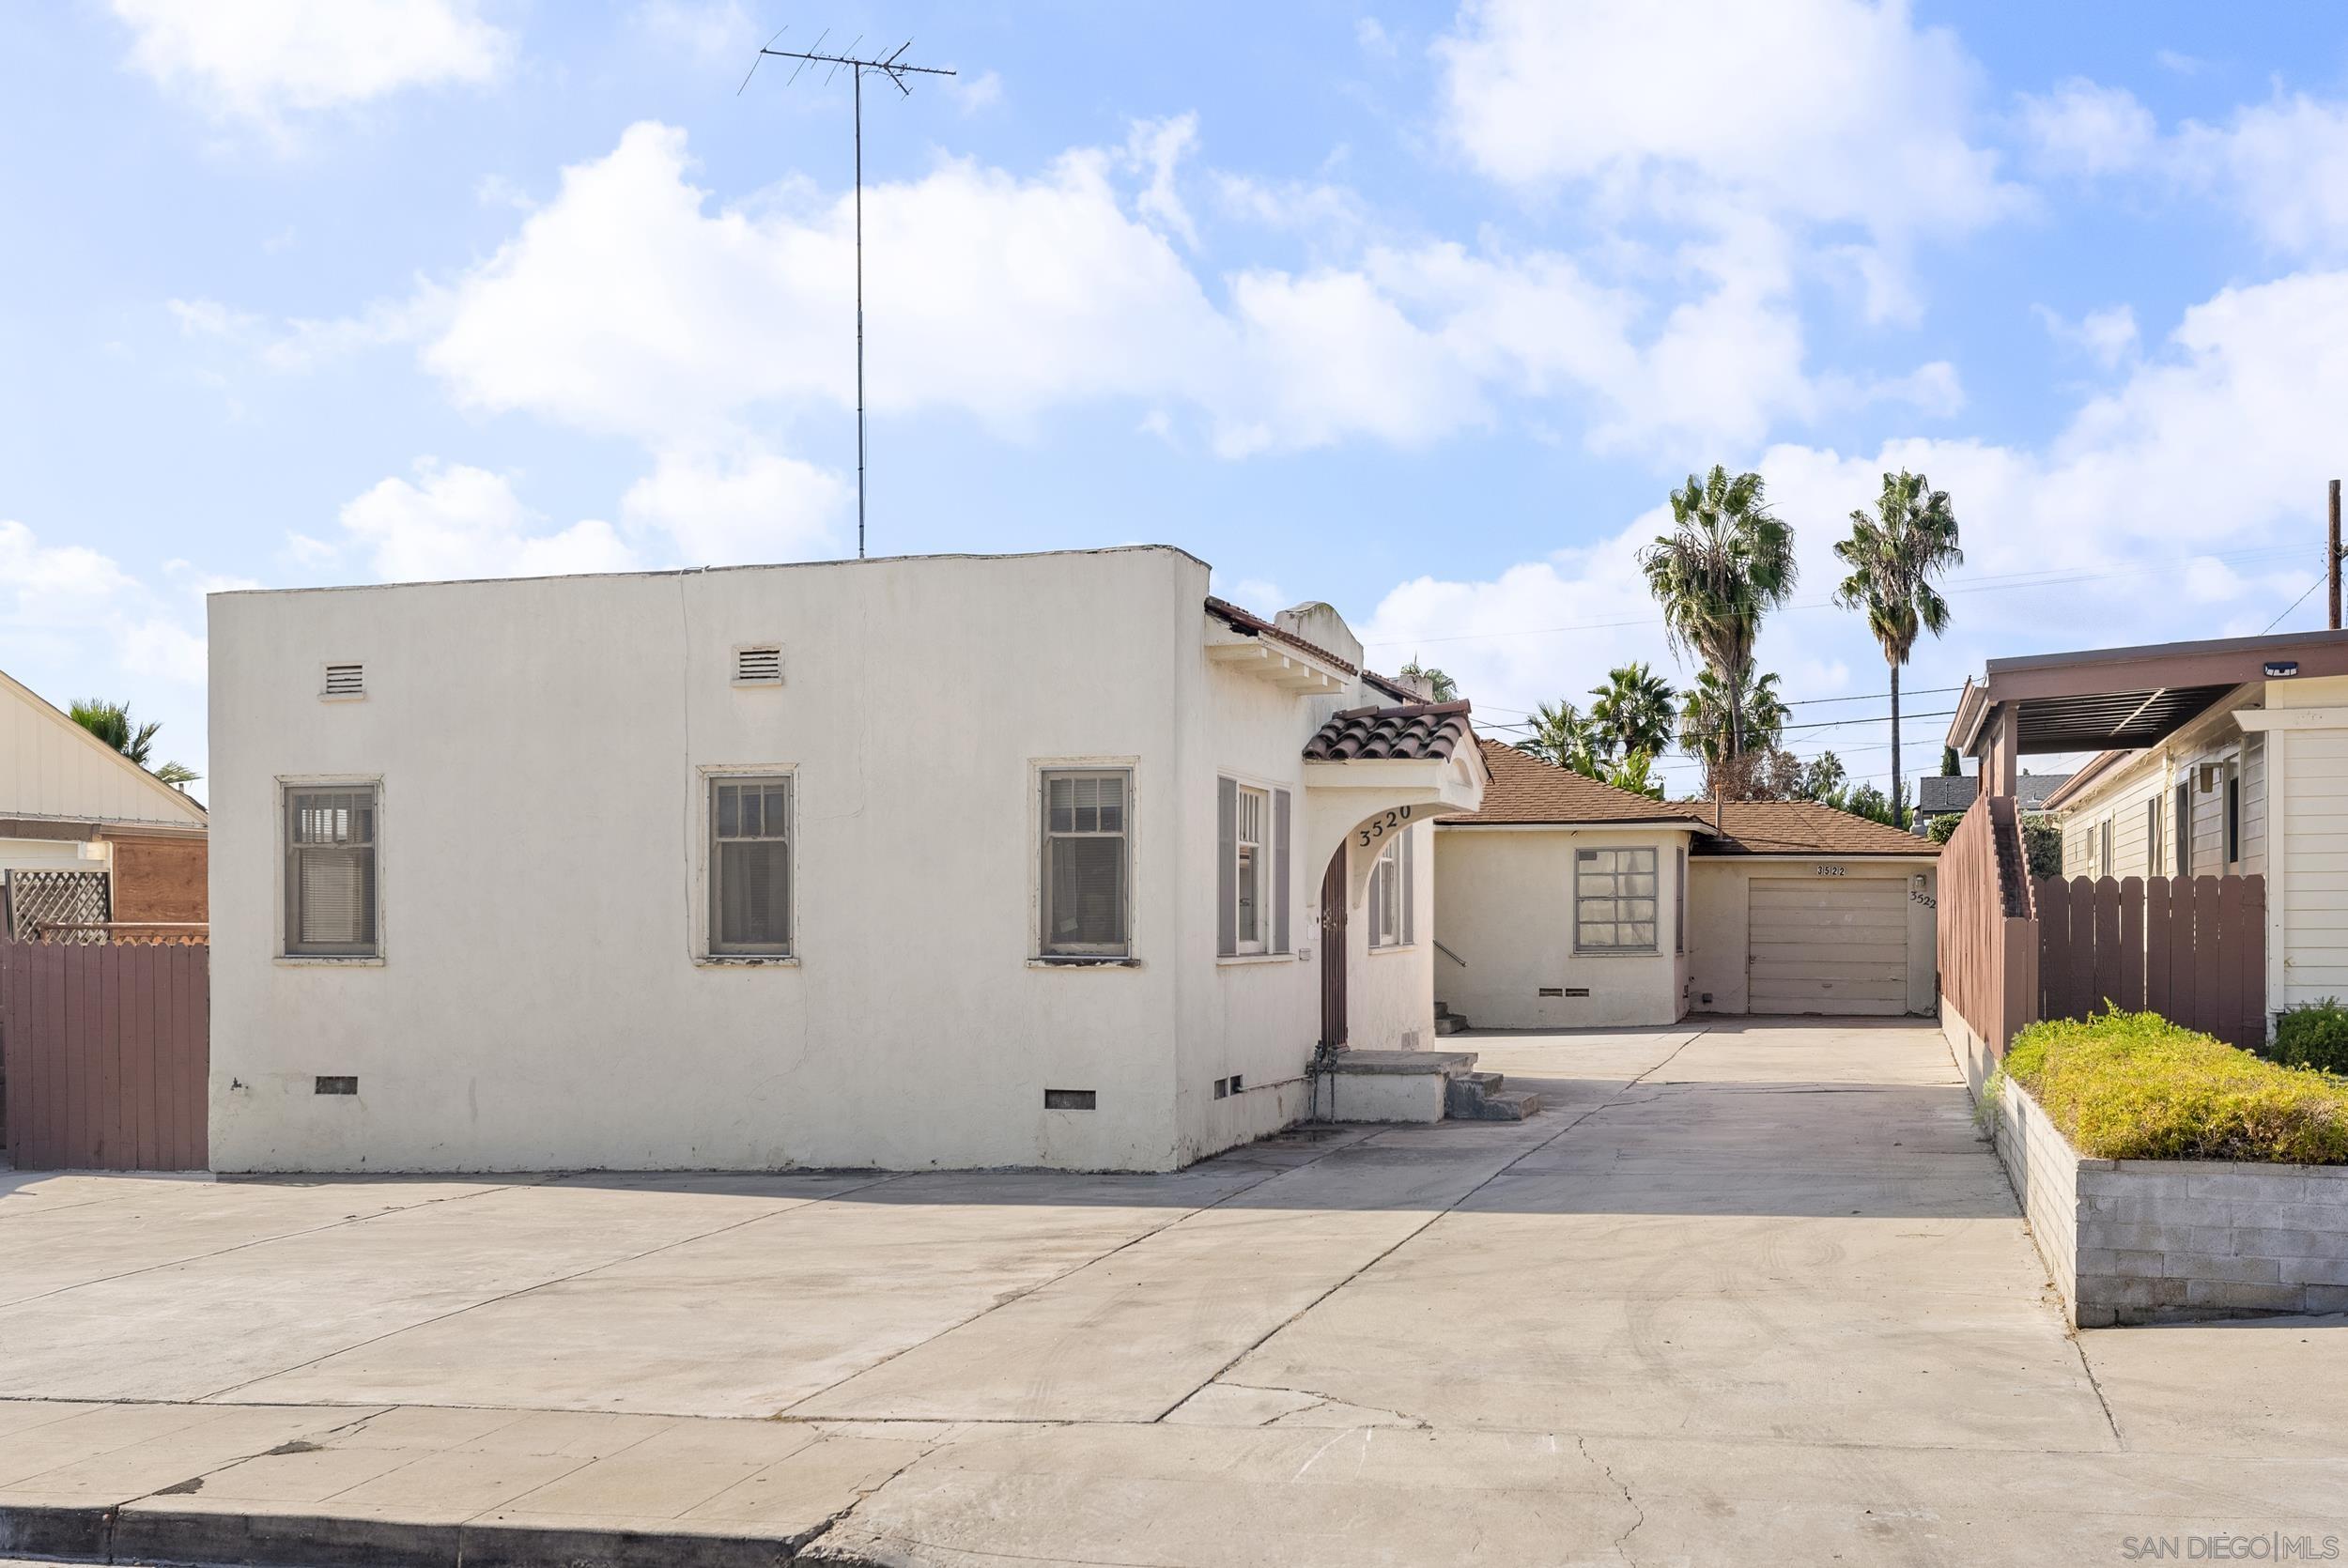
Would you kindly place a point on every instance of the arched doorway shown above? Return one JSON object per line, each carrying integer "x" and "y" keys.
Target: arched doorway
{"x": 1332, "y": 944}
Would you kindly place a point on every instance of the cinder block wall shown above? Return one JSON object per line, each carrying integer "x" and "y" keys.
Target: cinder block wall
{"x": 2172, "y": 1240}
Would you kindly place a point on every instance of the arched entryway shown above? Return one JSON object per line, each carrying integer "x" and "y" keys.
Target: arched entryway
{"x": 1333, "y": 931}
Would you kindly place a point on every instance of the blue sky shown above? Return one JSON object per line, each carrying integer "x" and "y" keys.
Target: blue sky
{"x": 1422, "y": 311}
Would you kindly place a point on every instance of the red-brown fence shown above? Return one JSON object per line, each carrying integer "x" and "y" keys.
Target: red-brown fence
{"x": 104, "y": 1050}
{"x": 2191, "y": 949}
{"x": 1988, "y": 953}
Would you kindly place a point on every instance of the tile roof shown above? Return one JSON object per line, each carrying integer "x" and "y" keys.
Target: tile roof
{"x": 1525, "y": 790}
{"x": 1417, "y": 731}
{"x": 1799, "y": 827}
{"x": 1256, "y": 625}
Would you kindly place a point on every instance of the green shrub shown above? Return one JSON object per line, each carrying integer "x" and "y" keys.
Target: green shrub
{"x": 2312, "y": 1034}
{"x": 2136, "y": 1087}
{"x": 1941, "y": 829}
{"x": 2042, "y": 844}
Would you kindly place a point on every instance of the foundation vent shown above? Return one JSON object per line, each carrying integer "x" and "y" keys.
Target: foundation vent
{"x": 1068, "y": 1099}
{"x": 337, "y": 1086}
{"x": 758, "y": 667}
{"x": 343, "y": 682}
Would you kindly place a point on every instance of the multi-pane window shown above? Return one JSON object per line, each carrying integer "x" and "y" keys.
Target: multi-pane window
{"x": 1614, "y": 900}
{"x": 1390, "y": 887}
{"x": 1086, "y": 859}
{"x": 1253, "y": 861}
{"x": 329, "y": 871}
{"x": 750, "y": 867}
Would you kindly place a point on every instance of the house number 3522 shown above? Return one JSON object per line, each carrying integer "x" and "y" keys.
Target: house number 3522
{"x": 1830, "y": 871}
{"x": 1382, "y": 825}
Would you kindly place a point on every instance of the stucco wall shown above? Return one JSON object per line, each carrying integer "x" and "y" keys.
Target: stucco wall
{"x": 1720, "y": 897}
{"x": 541, "y": 747}
{"x": 1503, "y": 903}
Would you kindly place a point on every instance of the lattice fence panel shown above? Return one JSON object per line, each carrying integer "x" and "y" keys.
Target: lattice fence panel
{"x": 72, "y": 897}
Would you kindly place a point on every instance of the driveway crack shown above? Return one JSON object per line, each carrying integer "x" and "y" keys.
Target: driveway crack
{"x": 1622, "y": 1547}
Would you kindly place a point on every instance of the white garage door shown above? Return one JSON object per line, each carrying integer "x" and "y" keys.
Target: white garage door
{"x": 1829, "y": 945}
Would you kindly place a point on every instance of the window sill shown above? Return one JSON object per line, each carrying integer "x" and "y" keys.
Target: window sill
{"x": 747, "y": 960}
{"x": 1243, "y": 959}
{"x": 1394, "y": 947}
{"x": 1079, "y": 960}
{"x": 1618, "y": 953}
{"x": 328, "y": 961}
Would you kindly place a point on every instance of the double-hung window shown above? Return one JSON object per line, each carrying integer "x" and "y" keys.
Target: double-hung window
{"x": 1088, "y": 858}
{"x": 1391, "y": 878}
{"x": 1614, "y": 900}
{"x": 1252, "y": 877}
{"x": 331, "y": 908}
{"x": 750, "y": 867}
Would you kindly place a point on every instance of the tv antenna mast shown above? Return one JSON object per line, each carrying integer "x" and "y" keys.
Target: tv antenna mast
{"x": 895, "y": 67}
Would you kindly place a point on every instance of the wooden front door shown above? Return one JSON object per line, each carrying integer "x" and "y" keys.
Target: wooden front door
{"x": 1332, "y": 952}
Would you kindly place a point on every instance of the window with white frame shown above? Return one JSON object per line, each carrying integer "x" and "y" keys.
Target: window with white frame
{"x": 749, "y": 866}
{"x": 1679, "y": 899}
{"x": 1614, "y": 900}
{"x": 2153, "y": 846}
{"x": 1252, "y": 875}
{"x": 1392, "y": 883}
{"x": 1251, "y": 861}
{"x": 331, "y": 908}
{"x": 1086, "y": 863}
{"x": 2105, "y": 862}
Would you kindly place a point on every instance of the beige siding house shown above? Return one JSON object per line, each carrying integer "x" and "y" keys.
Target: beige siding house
{"x": 1564, "y": 903}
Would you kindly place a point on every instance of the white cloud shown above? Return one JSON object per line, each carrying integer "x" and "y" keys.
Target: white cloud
{"x": 1830, "y": 111}
{"x": 71, "y": 606}
{"x": 713, "y": 31}
{"x": 976, "y": 93}
{"x": 2179, "y": 505}
{"x": 2106, "y": 335}
{"x": 1374, "y": 40}
{"x": 746, "y": 504}
{"x": 2082, "y": 128}
{"x": 458, "y": 521}
{"x": 1256, "y": 593}
{"x": 630, "y": 304}
{"x": 257, "y": 59}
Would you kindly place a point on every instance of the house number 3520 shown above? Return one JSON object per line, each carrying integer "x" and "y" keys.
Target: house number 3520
{"x": 1380, "y": 826}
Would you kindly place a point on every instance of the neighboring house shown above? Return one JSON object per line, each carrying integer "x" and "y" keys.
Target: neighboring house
{"x": 1951, "y": 794}
{"x": 133, "y": 845}
{"x": 954, "y": 861}
{"x": 2222, "y": 758}
{"x": 1564, "y": 902}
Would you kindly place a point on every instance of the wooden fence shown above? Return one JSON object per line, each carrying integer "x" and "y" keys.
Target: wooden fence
{"x": 104, "y": 1051}
{"x": 2191, "y": 949}
{"x": 1988, "y": 952}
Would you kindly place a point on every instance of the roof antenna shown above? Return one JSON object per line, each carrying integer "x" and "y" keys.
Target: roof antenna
{"x": 896, "y": 67}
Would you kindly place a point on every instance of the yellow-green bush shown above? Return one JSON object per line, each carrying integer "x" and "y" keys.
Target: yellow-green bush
{"x": 2136, "y": 1087}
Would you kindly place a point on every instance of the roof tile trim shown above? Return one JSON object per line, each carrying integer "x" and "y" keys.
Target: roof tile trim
{"x": 1256, "y": 625}
{"x": 1417, "y": 731}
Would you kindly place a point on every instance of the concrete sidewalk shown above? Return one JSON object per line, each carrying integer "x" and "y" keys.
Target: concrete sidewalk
{"x": 1744, "y": 1294}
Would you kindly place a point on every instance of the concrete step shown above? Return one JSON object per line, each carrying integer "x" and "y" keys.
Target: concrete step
{"x": 1477, "y": 1097}
{"x": 1449, "y": 1023}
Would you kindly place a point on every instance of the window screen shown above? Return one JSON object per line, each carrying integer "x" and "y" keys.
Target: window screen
{"x": 329, "y": 871}
{"x": 749, "y": 866}
{"x": 1614, "y": 900}
{"x": 1086, "y": 827}
{"x": 1390, "y": 894}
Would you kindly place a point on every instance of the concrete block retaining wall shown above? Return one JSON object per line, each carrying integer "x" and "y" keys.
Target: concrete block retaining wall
{"x": 2166, "y": 1240}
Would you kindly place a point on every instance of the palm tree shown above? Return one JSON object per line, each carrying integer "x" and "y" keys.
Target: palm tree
{"x": 1558, "y": 734}
{"x": 1727, "y": 561}
{"x": 1709, "y": 717}
{"x": 1635, "y": 772}
{"x": 111, "y": 722}
{"x": 1893, "y": 556}
{"x": 1440, "y": 687}
{"x": 1635, "y": 708}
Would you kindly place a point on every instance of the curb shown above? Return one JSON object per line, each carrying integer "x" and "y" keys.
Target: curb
{"x": 154, "y": 1535}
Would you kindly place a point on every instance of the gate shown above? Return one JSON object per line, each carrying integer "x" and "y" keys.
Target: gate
{"x": 104, "y": 1054}
{"x": 2192, "y": 950}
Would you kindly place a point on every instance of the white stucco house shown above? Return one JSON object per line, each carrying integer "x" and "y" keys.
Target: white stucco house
{"x": 1563, "y": 903}
{"x": 73, "y": 809}
{"x": 960, "y": 861}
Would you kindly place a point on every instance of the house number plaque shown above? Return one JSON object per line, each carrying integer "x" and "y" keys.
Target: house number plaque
{"x": 1383, "y": 824}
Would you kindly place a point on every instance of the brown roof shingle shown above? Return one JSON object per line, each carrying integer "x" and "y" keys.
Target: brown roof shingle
{"x": 1418, "y": 731}
{"x": 1525, "y": 791}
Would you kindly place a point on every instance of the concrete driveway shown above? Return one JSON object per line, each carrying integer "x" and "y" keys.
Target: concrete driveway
{"x": 1754, "y": 1293}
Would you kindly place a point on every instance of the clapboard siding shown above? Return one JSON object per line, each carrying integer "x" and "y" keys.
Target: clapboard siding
{"x": 2315, "y": 884}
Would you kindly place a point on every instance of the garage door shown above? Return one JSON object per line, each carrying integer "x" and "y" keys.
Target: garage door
{"x": 1829, "y": 945}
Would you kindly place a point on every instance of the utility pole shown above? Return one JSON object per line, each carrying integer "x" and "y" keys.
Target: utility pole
{"x": 893, "y": 65}
{"x": 2331, "y": 557}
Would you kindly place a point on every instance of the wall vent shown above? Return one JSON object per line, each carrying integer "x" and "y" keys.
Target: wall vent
{"x": 344, "y": 681}
{"x": 1565, "y": 990}
{"x": 758, "y": 667}
{"x": 337, "y": 1086}
{"x": 1068, "y": 1099}
{"x": 1222, "y": 1088}
{"x": 1553, "y": 990}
